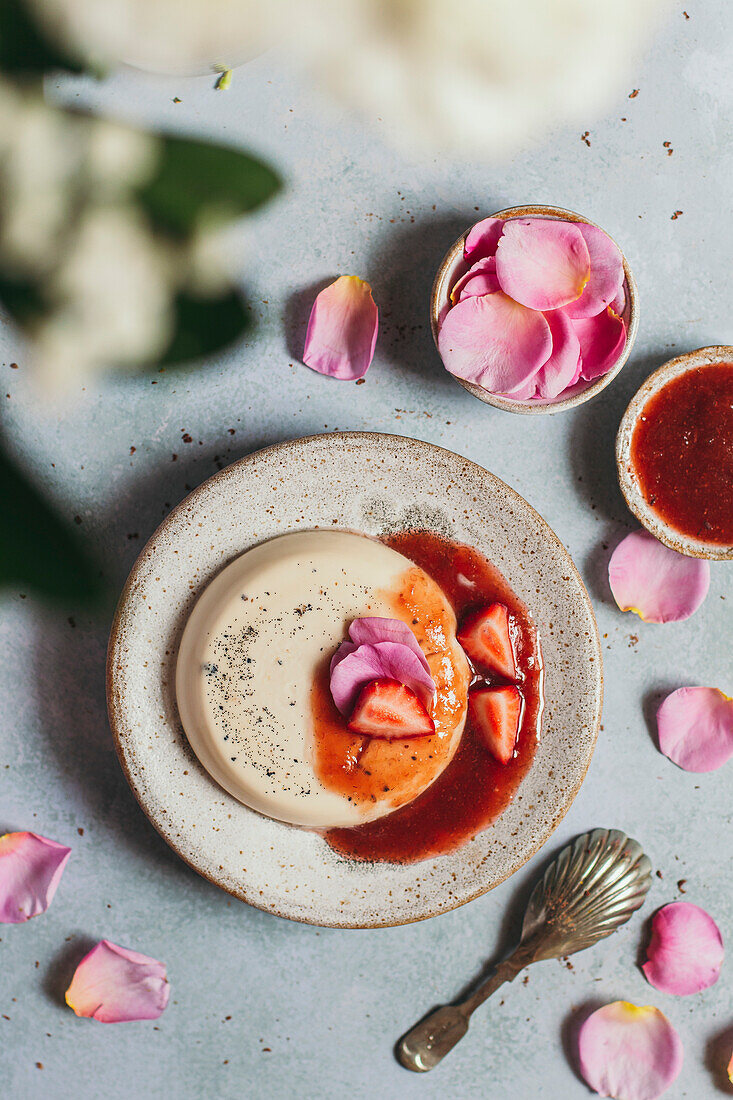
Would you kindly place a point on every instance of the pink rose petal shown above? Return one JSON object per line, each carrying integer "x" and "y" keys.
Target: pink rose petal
{"x": 695, "y": 727}
{"x": 342, "y": 330}
{"x": 730, "y": 1069}
{"x": 629, "y": 1053}
{"x": 112, "y": 984}
{"x": 385, "y": 660}
{"x": 618, "y": 305}
{"x": 479, "y": 279}
{"x": 372, "y": 629}
{"x": 525, "y": 392}
{"x": 602, "y": 339}
{"x": 31, "y": 867}
{"x": 561, "y": 368}
{"x": 685, "y": 953}
{"x": 657, "y": 583}
{"x": 542, "y": 263}
{"x": 606, "y": 274}
{"x": 494, "y": 342}
{"x": 483, "y": 238}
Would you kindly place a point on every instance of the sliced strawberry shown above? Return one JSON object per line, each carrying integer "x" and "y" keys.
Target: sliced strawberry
{"x": 388, "y": 709}
{"x": 486, "y": 637}
{"x": 497, "y": 713}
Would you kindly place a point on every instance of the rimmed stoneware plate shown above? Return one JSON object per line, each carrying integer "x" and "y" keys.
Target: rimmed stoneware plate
{"x": 375, "y": 484}
{"x": 627, "y": 476}
{"x": 453, "y": 266}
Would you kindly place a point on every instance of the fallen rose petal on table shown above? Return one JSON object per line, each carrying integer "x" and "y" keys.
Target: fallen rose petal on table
{"x": 542, "y": 263}
{"x": 606, "y": 274}
{"x": 479, "y": 279}
{"x": 658, "y": 584}
{"x": 695, "y": 726}
{"x": 494, "y": 342}
{"x": 382, "y": 661}
{"x": 629, "y": 1053}
{"x": 685, "y": 952}
{"x": 342, "y": 330}
{"x": 31, "y": 867}
{"x": 562, "y": 368}
{"x": 602, "y": 340}
{"x": 114, "y": 985}
{"x": 482, "y": 239}
{"x": 370, "y": 629}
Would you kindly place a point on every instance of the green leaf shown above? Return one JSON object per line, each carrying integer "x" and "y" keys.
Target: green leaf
{"x": 204, "y": 326}
{"x": 38, "y": 551}
{"x": 197, "y": 183}
{"x": 25, "y": 48}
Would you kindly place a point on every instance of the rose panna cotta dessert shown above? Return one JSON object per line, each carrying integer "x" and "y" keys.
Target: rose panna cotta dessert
{"x": 372, "y": 690}
{"x": 537, "y": 310}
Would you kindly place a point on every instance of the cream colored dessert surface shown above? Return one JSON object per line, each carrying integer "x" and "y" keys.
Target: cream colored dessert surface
{"x": 251, "y": 651}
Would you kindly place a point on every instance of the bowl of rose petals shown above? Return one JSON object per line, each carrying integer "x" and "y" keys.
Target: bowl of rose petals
{"x": 534, "y": 309}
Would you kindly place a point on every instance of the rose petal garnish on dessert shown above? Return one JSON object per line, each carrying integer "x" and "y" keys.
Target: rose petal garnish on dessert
{"x": 558, "y": 373}
{"x": 602, "y": 339}
{"x": 383, "y": 661}
{"x": 478, "y": 280}
{"x": 629, "y": 1053}
{"x": 494, "y": 342}
{"x": 31, "y": 867}
{"x": 497, "y": 713}
{"x": 685, "y": 952}
{"x": 342, "y": 330}
{"x": 542, "y": 263}
{"x": 482, "y": 239}
{"x": 388, "y": 709}
{"x": 486, "y": 637}
{"x": 371, "y": 629}
{"x": 695, "y": 726}
{"x": 658, "y": 584}
{"x": 606, "y": 274}
{"x": 113, "y": 984}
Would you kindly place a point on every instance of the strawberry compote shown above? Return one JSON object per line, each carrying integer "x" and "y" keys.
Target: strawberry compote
{"x": 474, "y": 789}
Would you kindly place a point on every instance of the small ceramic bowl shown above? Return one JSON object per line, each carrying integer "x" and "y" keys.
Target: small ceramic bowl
{"x": 454, "y": 265}
{"x": 628, "y": 480}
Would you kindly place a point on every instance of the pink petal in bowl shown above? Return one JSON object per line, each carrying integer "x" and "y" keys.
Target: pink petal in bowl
{"x": 31, "y": 867}
{"x": 494, "y": 342}
{"x": 606, "y": 273}
{"x": 685, "y": 952}
{"x": 657, "y": 583}
{"x": 561, "y": 369}
{"x": 113, "y": 985}
{"x": 479, "y": 279}
{"x": 542, "y": 263}
{"x": 342, "y": 330}
{"x": 602, "y": 340}
{"x": 695, "y": 726}
{"x": 483, "y": 238}
{"x": 384, "y": 660}
{"x": 629, "y": 1053}
{"x": 371, "y": 629}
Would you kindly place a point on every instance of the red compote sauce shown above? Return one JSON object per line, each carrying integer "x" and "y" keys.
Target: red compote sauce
{"x": 474, "y": 789}
{"x": 682, "y": 452}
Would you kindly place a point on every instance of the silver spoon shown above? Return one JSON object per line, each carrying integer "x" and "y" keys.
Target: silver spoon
{"x": 592, "y": 888}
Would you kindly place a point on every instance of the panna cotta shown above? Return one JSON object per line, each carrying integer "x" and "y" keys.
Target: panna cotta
{"x": 252, "y": 679}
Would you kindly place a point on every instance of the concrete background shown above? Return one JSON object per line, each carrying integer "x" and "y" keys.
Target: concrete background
{"x": 261, "y": 1007}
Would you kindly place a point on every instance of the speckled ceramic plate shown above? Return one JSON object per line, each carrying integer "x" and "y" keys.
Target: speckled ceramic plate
{"x": 375, "y": 484}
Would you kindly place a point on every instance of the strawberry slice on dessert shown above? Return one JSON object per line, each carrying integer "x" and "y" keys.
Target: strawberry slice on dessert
{"x": 388, "y": 709}
{"x": 486, "y": 638}
{"x": 497, "y": 714}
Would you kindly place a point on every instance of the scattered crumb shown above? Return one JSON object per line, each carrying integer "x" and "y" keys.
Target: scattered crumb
{"x": 39, "y": 1065}
{"x": 676, "y": 215}
{"x": 360, "y": 381}
{"x": 659, "y": 874}
{"x": 176, "y": 99}
{"x": 586, "y": 138}
{"x": 80, "y": 831}
{"x": 224, "y": 81}
{"x": 13, "y": 366}
{"x": 132, "y": 450}
{"x": 187, "y": 438}
{"x": 685, "y": 15}
{"x": 668, "y": 146}
{"x": 681, "y": 883}
{"x": 634, "y": 94}
{"x": 633, "y": 640}
{"x": 525, "y": 979}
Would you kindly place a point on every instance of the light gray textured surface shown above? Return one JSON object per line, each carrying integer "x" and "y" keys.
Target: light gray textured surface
{"x": 260, "y": 1007}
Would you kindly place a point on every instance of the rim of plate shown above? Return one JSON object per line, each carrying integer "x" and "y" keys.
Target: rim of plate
{"x": 627, "y": 476}
{"x": 450, "y": 269}
{"x": 589, "y": 696}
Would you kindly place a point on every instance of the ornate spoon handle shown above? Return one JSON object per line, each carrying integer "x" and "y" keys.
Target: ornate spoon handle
{"x": 428, "y": 1042}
